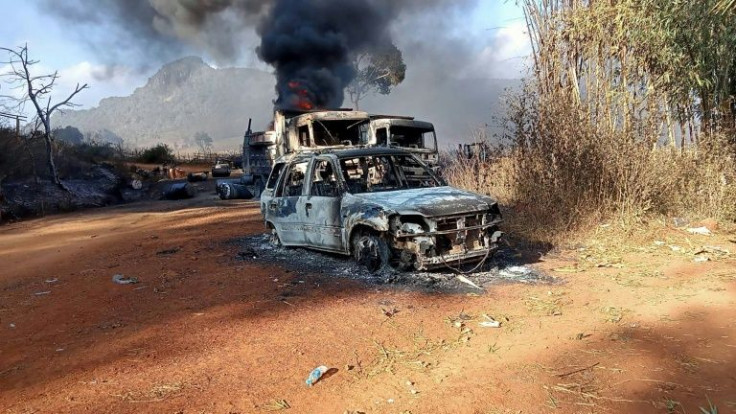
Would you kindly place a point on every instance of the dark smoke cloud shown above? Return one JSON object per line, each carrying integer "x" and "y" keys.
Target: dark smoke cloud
{"x": 310, "y": 45}
{"x": 146, "y": 33}
{"x": 308, "y": 42}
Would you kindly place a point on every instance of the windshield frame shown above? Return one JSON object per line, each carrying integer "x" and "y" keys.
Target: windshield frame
{"x": 395, "y": 165}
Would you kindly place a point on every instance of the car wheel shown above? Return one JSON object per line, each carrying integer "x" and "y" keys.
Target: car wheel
{"x": 371, "y": 251}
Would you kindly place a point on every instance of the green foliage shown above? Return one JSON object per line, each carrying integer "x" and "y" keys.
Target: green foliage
{"x": 159, "y": 154}
{"x": 377, "y": 71}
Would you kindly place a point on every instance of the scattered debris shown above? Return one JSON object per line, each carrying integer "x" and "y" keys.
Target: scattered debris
{"x": 197, "y": 177}
{"x": 12, "y": 326}
{"x": 167, "y": 252}
{"x": 489, "y": 323}
{"x": 257, "y": 248}
{"x": 124, "y": 280}
{"x": 515, "y": 271}
{"x": 42, "y": 293}
{"x": 578, "y": 370}
{"x": 179, "y": 191}
{"x": 701, "y": 259}
{"x": 715, "y": 250}
{"x": 703, "y": 231}
{"x": 315, "y": 375}
{"x": 468, "y": 282}
{"x": 53, "y": 280}
{"x": 230, "y": 191}
{"x": 277, "y": 405}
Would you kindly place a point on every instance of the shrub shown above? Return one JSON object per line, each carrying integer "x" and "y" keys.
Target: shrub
{"x": 160, "y": 154}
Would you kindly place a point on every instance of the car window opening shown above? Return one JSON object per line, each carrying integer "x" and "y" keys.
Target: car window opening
{"x": 333, "y": 133}
{"x": 385, "y": 173}
{"x": 324, "y": 180}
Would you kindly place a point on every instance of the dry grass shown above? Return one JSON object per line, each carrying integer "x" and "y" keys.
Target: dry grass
{"x": 592, "y": 138}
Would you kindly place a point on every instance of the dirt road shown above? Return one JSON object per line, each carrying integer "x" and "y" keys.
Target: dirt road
{"x": 638, "y": 330}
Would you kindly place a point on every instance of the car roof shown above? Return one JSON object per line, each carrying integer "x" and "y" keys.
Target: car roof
{"x": 344, "y": 153}
{"x": 359, "y": 152}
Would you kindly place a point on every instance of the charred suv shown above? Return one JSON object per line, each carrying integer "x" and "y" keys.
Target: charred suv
{"x": 382, "y": 205}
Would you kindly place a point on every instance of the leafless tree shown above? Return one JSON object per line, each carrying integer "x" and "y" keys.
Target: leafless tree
{"x": 37, "y": 89}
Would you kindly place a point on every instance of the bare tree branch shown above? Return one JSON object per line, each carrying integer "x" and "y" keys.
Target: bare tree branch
{"x": 37, "y": 88}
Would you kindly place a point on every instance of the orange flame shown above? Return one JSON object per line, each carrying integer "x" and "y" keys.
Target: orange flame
{"x": 303, "y": 102}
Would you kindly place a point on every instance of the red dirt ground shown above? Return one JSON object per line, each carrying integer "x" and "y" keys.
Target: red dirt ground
{"x": 635, "y": 330}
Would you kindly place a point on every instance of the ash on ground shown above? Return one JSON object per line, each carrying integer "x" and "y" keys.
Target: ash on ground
{"x": 504, "y": 267}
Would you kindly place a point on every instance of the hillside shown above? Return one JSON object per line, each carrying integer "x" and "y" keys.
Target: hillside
{"x": 188, "y": 96}
{"x": 184, "y": 97}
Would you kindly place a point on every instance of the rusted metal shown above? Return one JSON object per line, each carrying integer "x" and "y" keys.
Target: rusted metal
{"x": 323, "y": 200}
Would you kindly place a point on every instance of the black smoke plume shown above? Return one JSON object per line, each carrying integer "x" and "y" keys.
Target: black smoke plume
{"x": 310, "y": 44}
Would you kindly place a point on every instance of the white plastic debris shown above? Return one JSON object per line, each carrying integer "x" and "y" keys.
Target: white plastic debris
{"x": 53, "y": 280}
{"x": 703, "y": 231}
{"x": 468, "y": 282}
{"x": 514, "y": 271}
{"x": 490, "y": 324}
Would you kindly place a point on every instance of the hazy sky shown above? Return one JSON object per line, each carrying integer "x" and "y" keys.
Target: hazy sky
{"x": 491, "y": 29}
{"x": 455, "y": 51}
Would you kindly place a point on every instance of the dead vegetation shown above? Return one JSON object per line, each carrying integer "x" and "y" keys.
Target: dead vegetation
{"x": 617, "y": 122}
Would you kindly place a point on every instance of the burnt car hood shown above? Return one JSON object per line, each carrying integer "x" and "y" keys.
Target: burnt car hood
{"x": 429, "y": 202}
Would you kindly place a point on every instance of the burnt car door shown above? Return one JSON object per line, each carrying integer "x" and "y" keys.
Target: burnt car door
{"x": 285, "y": 210}
{"x": 322, "y": 207}
{"x": 268, "y": 192}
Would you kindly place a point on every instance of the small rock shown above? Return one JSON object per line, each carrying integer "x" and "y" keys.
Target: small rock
{"x": 680, "y": 222}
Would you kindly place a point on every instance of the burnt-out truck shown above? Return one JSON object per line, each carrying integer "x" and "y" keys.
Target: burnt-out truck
{"x": 312, "y": 131}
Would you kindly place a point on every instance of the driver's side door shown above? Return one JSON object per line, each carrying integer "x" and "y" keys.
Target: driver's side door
{"x": 285, "y": 210}
{"x": 322, "y": 206}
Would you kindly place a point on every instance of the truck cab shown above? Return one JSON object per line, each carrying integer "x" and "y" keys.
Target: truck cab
{"x": 417, "y": 137}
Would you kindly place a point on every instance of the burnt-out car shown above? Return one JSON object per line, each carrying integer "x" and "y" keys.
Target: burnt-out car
{"x": 382, "y": 205}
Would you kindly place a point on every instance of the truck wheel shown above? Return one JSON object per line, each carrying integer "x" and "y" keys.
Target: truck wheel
{"x": 371, "y": 251}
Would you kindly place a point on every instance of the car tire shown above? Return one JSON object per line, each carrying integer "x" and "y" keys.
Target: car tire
{"x": 371, "y": 250}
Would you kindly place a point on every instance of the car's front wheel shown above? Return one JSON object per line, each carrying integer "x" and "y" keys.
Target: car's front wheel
{"x": 371, "y": 250}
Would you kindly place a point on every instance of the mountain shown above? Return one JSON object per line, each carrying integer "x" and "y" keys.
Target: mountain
{"x": 187, "y": 96}
{"x": 183, "y": 98}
